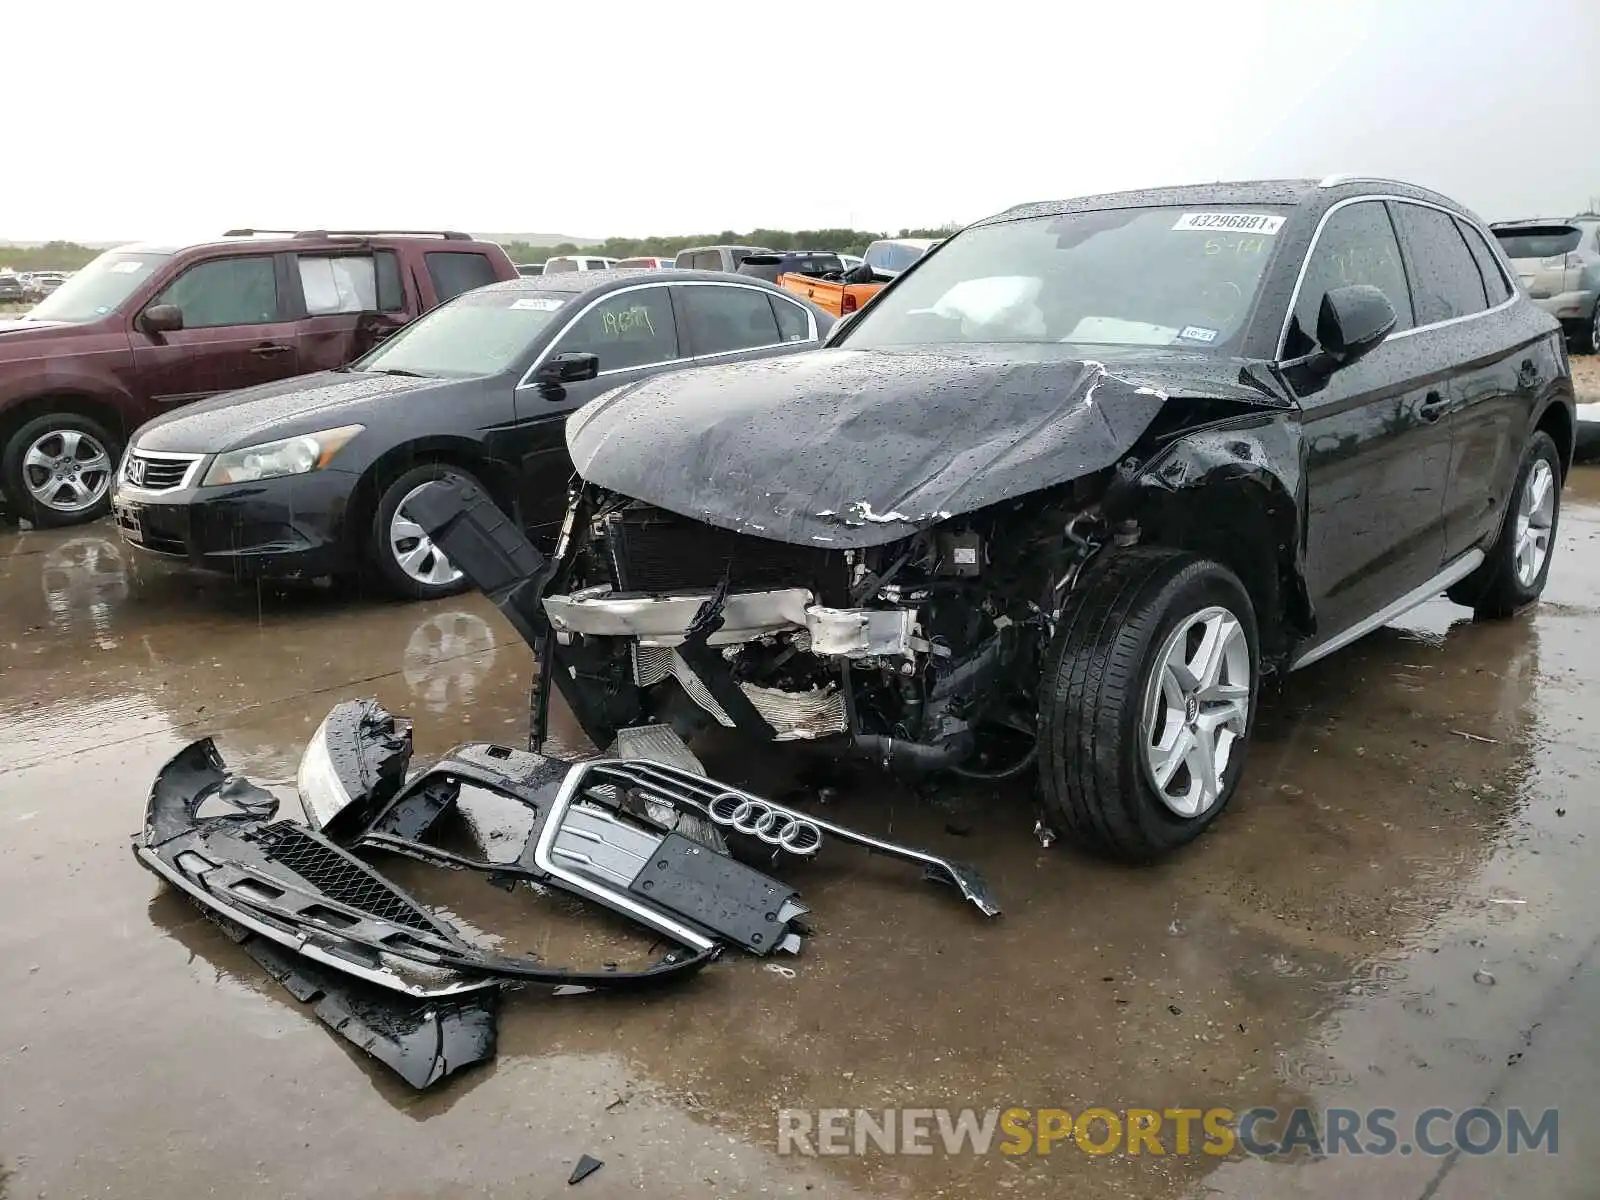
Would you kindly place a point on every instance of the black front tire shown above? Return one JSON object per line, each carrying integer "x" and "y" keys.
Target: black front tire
{"x": 388, "y": 569}
{"x": 15, "y": 485}
{"x": 1494, "y": 590}
{"x": 1093, "y": 770}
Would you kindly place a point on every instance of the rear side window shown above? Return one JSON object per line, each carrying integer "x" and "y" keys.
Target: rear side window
{"x": 596, "y": 264}
{"x": 558, "y": 266}
{"x": 391, "y": 292}
{"x": 1445, "y": 282}
{"x": 457, "y": 271}
{"x": 343, "y": 283}
{"x": 819, "y": 264}
{"x": 226, "y": 291}
{"x": 794, "y": 325}
{"x": 1494, "y": 279}
{"x": 626, "y": 329}
{"x": 724, "y": 319}
{"x": 1357, "y": 245}
{"x": 1539, "y": 241}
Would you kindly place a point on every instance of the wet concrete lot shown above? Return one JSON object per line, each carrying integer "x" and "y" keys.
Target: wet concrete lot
{"x": 1399, "y": 911}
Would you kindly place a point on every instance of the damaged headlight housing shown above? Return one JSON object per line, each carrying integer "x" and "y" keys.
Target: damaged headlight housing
{"x": 323, "y": 794}
{"x": 290, "y": 456}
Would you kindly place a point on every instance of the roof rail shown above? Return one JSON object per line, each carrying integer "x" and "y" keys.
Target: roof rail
{"x": 1328, "y": 181}
{"x": 448, "y": 234}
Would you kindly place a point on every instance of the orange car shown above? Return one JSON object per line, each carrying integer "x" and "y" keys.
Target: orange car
{"x": 883, "y": 260}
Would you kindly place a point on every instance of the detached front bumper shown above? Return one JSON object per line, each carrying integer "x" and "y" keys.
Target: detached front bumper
{"x": 288, "y": 528}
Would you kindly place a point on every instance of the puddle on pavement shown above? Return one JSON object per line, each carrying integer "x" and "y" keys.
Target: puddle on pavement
{"x": 1318, "y": 946}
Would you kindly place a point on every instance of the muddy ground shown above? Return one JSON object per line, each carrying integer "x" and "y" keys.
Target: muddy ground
{"x": 1398, "y": 910}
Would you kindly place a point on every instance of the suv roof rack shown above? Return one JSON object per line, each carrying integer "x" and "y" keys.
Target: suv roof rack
{"x": 448, "y": 234}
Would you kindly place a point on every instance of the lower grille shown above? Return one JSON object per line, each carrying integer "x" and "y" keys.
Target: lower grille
{"x": 337, "y": 877}
{"x": 649, "y": 550}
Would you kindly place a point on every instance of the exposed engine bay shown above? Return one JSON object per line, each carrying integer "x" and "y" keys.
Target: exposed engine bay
{"x": 924, "y": 651}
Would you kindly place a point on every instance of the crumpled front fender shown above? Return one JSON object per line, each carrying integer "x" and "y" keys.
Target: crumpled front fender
{"x": 1235, "y": 490}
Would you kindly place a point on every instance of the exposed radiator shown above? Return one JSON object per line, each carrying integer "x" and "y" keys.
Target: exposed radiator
{"x": 649, "y": 550}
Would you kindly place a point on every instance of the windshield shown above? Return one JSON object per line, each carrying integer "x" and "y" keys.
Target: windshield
{"x": 479, "y": 333}
{"x": 98, "y": 288}
{"x": 1548, "y": 241}
{"x": 1118, "y": 277}
{"x": 891, "y": 258}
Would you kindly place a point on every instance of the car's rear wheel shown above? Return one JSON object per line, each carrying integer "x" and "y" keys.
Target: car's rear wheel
{"x": 1514, "y": 571}
{"x": 1593, "y": 337}
{"x": 57, "y": 469}
{"x": 404, "y": 556}
{"x": 1147, "y": 703}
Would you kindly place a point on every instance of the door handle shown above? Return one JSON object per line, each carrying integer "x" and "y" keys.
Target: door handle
{"x": 1432, "y": 406}
{"x": 269, "y": 350}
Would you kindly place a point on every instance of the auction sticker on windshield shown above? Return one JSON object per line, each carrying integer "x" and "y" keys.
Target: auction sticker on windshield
{"x": 1232, "y": 222}
{"x": 536, "y": 304}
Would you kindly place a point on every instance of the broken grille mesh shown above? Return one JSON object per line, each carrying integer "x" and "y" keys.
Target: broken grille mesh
{"x": 336, "y": 877}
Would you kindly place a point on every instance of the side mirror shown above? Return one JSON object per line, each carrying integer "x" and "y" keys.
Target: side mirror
{"x": 572, "y": 367}
{"x": 161, "y": 318}
{"x": 1353, "y": 320}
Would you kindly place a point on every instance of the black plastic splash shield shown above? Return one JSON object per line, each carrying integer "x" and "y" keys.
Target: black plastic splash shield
{"x": 422, "y": 1041}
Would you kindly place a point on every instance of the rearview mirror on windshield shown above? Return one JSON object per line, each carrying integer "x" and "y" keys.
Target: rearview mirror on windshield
{"x": 161, "y": 318}
{"x": 572, "y": 367}
{"x": 1352, "y": 321}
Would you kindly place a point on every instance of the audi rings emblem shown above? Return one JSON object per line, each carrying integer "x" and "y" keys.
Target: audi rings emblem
{"x": 767, "y": 822}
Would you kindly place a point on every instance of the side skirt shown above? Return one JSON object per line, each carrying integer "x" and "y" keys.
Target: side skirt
{"x": 1452, "y": 574}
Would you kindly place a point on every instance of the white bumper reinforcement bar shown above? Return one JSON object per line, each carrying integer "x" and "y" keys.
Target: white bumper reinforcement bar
{"x": 663, "y": 620}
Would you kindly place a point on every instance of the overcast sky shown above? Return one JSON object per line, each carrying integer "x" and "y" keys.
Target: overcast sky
{"x": 596, "y": 117}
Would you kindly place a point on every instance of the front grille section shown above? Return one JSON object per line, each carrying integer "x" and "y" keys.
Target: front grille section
{"x": 156, "y": 472}
{"x": 337, "y": 877}
{"x": 653, "y": 551}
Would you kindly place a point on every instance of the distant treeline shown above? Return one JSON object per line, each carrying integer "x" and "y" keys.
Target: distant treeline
{"x": 52, "y": 256}
{"x": 69, "y": 256}
{"x": 844, "y": 241}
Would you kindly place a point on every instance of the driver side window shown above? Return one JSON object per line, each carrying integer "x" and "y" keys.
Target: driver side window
{"x": 225, "y": 291}
{"x": 1357, "y": 245}
{"x": 627, "y": 329}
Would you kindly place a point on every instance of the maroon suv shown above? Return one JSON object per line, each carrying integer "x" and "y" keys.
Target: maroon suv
{"x": 145, "y": 328}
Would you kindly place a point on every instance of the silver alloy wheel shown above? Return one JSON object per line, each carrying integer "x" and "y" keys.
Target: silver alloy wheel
{"x": 1594, "y": 331}
{"x": 66, "y": 470}
{"x": 1536, "y": 514}
{"x": 414, "y": 550}
{"x": 1196, "y": 708}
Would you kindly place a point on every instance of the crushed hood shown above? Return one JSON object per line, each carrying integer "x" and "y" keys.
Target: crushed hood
{"x": 854, "y": 448}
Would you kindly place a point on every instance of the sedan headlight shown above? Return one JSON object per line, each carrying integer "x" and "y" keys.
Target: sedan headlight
{"x": 291, "y": 456}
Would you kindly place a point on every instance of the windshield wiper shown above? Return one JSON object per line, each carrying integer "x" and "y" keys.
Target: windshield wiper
{"x": 400, "y": 371}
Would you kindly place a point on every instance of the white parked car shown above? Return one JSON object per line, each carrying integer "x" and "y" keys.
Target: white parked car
{"x": 578, "y": 262}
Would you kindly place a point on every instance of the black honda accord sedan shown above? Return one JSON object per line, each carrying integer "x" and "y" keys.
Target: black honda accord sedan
{"x": 310, "y": 477}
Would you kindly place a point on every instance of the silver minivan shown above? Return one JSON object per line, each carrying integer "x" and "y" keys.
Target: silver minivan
{"x": 1558, "y": 264}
